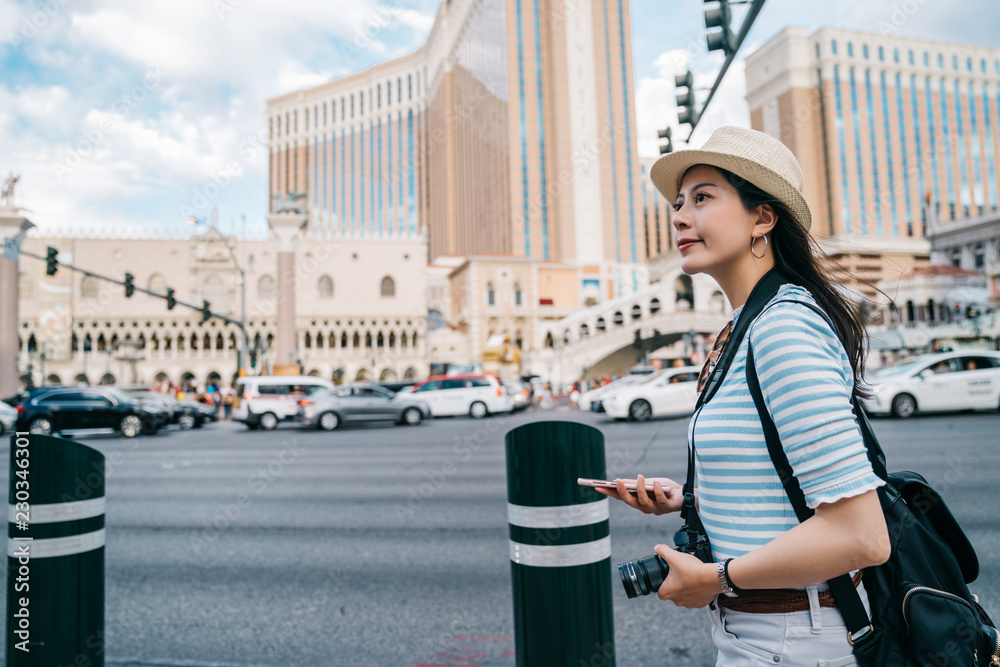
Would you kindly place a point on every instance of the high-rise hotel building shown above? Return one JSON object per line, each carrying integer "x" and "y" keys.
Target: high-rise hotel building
{"x": 895, "y": 136}
{"x": 510, "y": 132}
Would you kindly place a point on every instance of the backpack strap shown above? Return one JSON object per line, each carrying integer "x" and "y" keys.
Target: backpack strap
{"x": 847, "y": 596}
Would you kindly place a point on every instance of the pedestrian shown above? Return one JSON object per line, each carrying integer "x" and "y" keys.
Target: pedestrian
{"x": 574, "y": 396}
{"x": 546, "y": 403}
{"x": 741, "y": 218}
{"x": 227, "y": 403}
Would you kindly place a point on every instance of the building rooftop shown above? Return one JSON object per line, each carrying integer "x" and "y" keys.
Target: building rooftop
{"x": 942, "y": 270}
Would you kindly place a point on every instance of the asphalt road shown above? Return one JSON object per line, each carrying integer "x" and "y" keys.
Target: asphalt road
{"x": 385, "y": 545}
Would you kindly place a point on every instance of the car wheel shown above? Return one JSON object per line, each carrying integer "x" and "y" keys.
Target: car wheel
{"x": 478, "y": 410}
{"x": 640, "y": 411}
{"x": 412, "y": 416}
{"x": 130, "y": 426}
{"x": 186, "y": 422}
{"x": 268, "y": 421}
{"x": 198, "y": 423}
{"x": 328, "y": 421}
{"x": 40, "y": 426}
{"x": 903, "y": 406}
{"x": 150, "y": 427}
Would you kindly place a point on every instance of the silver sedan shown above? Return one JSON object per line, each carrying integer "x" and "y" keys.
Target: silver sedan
{"x": 329, "y": 408}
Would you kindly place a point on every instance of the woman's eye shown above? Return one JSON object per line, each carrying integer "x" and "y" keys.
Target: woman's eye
{"x": 677, "y": 207}
{"x": 700, "y": 197}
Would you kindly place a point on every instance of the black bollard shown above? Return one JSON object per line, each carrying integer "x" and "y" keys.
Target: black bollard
{"x": 55, "y": 553}
{"x": 560, "y": 547}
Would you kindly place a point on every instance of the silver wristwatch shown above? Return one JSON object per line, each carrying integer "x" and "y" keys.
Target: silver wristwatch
{"x": 727, "y": 589}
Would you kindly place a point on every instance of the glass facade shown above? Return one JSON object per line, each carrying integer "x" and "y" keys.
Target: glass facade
{"x": 903, "y": 141}
{"x": 856, "y": 123}
{"x": 991, "y": 174}
{"x": 877, "y": 191}
{"x": 894, "y": 231}
{"x": 964, "y": 195}
{"x": 946, "y": 140}
{"x": 845, "y": 207}
{"x": 932, "y": 143}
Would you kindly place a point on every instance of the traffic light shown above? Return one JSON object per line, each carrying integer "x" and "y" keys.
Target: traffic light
{"x": 171, "y": 301}
{"x": 129, "y": 287}
{"x": 637, "y": 343}
{"x": 685, "y": 99}
{"x": 668, "y": 147}
{"x": 724, "y": 40}
{"x": 51, "y": 261}
{"x": 206, "y": 312}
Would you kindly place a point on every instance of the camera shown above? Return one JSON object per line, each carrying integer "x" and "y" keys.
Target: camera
{"x": 642, "y": 576}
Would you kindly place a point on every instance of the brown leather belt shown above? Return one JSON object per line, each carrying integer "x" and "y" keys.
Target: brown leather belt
{"x": 778, "y": 600}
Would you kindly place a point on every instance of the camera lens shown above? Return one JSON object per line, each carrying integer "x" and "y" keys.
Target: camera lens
{"x": 642, "y": 576}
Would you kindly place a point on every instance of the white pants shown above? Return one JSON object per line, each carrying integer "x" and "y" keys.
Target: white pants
{"x": 817, "y": 638}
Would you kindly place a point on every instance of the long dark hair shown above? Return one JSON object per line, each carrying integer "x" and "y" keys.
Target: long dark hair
{"x": 795, "y": 255}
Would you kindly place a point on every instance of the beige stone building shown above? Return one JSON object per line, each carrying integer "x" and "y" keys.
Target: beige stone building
{"x": 360, "y": 308}
{"x": 511, "y": 132}
{"x": 894, "y": 136}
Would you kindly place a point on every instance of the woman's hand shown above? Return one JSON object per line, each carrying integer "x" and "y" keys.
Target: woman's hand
{"x": 690, "y": 583}
{"x": 666, "y": 496}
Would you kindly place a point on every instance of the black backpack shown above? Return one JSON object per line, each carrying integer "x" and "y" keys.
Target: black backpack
{"x": 922, "y": 610}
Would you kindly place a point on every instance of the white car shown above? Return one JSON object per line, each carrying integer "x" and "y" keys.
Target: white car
{"x": 473, "y": 395}
{"x": 589, "y": 398}
{"x": 962, "y": 380}
{"x": 263, "y": 401}
{"x": 668, "y": 393}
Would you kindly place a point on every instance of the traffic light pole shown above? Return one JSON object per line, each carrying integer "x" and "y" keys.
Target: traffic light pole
{"x": 203, "y": 308}
{"x": 751, "y": 16}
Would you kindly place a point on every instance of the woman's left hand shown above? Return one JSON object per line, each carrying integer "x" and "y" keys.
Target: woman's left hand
{"x": 690, "y": 583}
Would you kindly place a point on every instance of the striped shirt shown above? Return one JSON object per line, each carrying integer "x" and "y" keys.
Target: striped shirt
{"x": 807, "y": 380}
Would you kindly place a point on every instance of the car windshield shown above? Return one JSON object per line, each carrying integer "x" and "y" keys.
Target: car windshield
{"x": 120, "y": 395}
{"x": 896, "y": 371}
{"x": 646, "y": 379}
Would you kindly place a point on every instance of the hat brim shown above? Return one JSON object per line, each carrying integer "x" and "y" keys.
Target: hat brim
{"x": 666, "y": 174}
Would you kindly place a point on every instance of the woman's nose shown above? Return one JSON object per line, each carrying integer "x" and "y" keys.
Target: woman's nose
{"x": 681, "y": 218}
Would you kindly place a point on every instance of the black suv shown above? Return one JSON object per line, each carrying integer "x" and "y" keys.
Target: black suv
{"x": 50, "y": 410}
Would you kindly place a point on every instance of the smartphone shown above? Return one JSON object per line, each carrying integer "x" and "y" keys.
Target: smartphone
{"x": 606, "y": 484}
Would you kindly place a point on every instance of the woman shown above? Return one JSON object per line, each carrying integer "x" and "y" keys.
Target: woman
{"x": 739, "y": 214}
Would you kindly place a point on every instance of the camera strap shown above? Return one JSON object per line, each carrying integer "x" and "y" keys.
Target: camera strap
{"x": 765, "y": 290}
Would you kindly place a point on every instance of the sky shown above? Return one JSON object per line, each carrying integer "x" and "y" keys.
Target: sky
{"x": 120, "y": 114}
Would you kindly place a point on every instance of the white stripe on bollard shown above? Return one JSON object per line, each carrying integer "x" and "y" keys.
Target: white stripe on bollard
{"x": 561, "y": 516}
{"x": 56, "y": 512}
{"x": 53, "y": 547}
{"x": 563, "y": 555}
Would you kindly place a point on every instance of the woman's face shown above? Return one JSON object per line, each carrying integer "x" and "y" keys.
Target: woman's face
{"x": 713, "y": 229}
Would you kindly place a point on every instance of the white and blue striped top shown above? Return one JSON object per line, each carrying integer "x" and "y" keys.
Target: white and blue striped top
{"x": 807, "y": 380}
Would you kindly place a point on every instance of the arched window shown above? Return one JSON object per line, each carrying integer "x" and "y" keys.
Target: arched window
{"x": 220, "y": 344}
{"x": 357, "y": 340}
{"x": 308, "y": 341}
{"x": 388, "y": 286}
{"x": 684, "y": 289}
{"x": 266, "y": 287}
{"x": 325, "y": 287}
{"x": 213, "y": 290}
{"x": 206, "y": 343}
{"x": 380, "y": 341}
{"x": 88, "y": 287}
{"x": 584, "y": 330}
{"x": 654, "y": 306}
{"x": 549, "y": 342}
{"x": 368, "y": 340}
{"x": 491, "y": 295}
{"x": 392, "y": 339}
{"x": 601, "y": 324}
{"x": 157, "y": 283}
{"x": 343, "y": 340}
{"x": 636, "y": 311}
{"x": 618, "y": 318}
{"x": 517, "y": 294}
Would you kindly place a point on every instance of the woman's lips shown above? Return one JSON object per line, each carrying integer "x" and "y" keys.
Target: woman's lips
{"x": 684, "y": 245}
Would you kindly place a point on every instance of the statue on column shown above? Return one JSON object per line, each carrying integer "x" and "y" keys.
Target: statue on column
{"x": 291, "y": 202}
{"x": 7, "y": 195}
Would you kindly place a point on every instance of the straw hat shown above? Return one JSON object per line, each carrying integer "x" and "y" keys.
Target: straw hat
{"x": 755, "y": 156}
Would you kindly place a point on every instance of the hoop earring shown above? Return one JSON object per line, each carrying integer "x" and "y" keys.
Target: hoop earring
{"x": 754, "y": 240}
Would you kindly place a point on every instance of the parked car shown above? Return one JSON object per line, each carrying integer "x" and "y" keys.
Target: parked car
{"x": 520, "y": 394}
{"x": 8, "y": 416}
{"x": 185, "y": 415}
{"x": 590, "y": 401}
{"x": 264, "y": 401}
{"x": 960, "y": 380}
{"x": 671, "y": 392}
{"x": 329, "y": 408}
{"x": 397, "y": 387}
{"x": 473, "y": 395}
{"x": 55, "y": 410}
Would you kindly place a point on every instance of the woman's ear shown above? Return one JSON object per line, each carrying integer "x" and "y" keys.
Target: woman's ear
{"x": 766, "y": 219}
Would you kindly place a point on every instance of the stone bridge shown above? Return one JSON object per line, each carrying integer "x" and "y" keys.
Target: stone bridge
{"x": 682, "y": 311}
